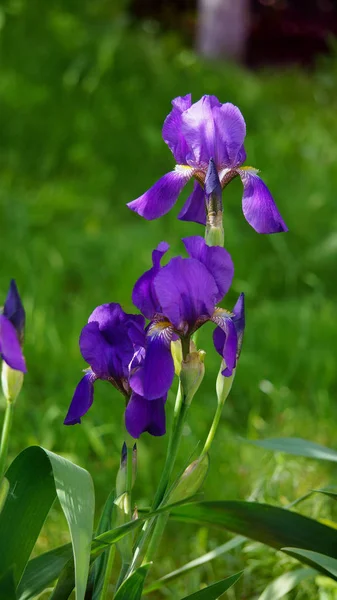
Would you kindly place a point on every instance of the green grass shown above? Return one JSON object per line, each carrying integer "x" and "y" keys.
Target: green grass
{"x": 83, "y": 101}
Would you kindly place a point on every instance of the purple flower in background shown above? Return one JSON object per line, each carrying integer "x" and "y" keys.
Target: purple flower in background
{"x": 12, "y": 323}
{"x": 111, "y": 341}
{"x": 195, "y": 134}
{"x": 178, "y": 299}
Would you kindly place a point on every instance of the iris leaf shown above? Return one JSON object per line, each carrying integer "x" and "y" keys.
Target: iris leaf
{"x": 35, "y": 478}
{"x": 194, "y": 564}
{"x": 42, "y": 571}
{"x": 285, "y": 583}
{"x": 276, "y": 527}
{"x": 7, "y": 586}
{"x": 297, "y": 447}
{"x": 214, "y": 591}
{"x": 132, "y": 587}
{"x": 320, "y": 561}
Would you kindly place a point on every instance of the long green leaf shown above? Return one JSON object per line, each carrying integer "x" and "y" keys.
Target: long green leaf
{"x": 75, "y": 491}
{"x": 276, "y": 527}
{"x": 331, "y": 492}
{"x": 197, "y": 562}
{"x": 328, "y": 563}
{"x": 285, "y": 583}
{"x": 297, "y": 447}
{"x": 212, "y": 592}
{"x": 99, "y": 567}
{"x": 7, "y": 586}
{"x": 132, "y": 588}
{"x": 35, "y": 478}
{"x": 31, "y": 494}
{"x": 42, "y": 571}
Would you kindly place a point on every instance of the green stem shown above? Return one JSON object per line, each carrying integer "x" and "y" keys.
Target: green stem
{"x": 107, "y": 575}
{"x": 6, "y": 428}
{"x": 156, "y": 537}
{"x": 180, "y": 411}
{"x": 212, "y": 431}
{"x": 129, "y": 473}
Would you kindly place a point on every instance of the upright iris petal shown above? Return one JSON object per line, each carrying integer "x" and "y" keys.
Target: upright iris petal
{"x": 197, "y": 133}
{"x": 186, "y": 292}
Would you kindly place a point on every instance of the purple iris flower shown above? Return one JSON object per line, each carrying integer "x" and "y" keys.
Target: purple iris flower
{"x": 12, "y": 323}
{"x": 195, "y": 134}
{"x": 178, "y": 299}
{"x": 112, "y": 343}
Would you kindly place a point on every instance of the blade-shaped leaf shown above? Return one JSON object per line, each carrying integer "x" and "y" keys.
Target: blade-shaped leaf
{"x": 75, "y": 491}
{"x": 42, "y": 571}
{"x": 332, "y": 492}
{"x": 214, "y": 591}
{"x": 285, "y": 583}
{"x": 132, "y": 587}
{"x": 35, "y": 477}
{"x": 264, "y": 523}
{"x": 99, "y": 567}
{"x": 297, "y": 447}
{"x": 31, "y": 494}
{"x": 7, "y": 586}
{"x": 197, "y": 562}
{"x": 328, "y": 563}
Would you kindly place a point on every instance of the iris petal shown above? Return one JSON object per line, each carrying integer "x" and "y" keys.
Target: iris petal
{"x": 225, "y": 340}
{"x": 144, "y": 295}
{"x": 186, "y": 291}
{"x": 217, "y": 261}
{"x": 82, "y": 399}
{"x": 258, "y": 205}
{"x": 142, "y": 415}
{"x": 172, "y": 133}
{"x": 14, "y": 311}
{"x": 10, "y": 348}
{"x": 160, "y": 198}
{"x": 194, "y": 208}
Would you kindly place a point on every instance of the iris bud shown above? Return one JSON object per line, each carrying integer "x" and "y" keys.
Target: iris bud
{"x": 223, "y": 384}
{"x": 11, "y": 381}
{"x": 191, "y": 480}
{"x": 191, "y": 374}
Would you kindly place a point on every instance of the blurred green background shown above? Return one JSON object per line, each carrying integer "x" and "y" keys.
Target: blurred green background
{"x": 83, "y": 97}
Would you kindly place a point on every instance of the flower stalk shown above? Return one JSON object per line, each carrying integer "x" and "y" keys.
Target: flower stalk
{"x": 6, "y": 429}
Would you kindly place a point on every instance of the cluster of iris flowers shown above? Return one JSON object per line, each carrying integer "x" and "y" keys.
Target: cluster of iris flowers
{"x": 134, "y": 351}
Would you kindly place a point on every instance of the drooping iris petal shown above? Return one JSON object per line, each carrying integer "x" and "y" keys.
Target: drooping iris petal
{"x": 172, "y": 134}
{"x": 225, "y": 340}
{"x": 229, "y": 135}
{"x": 144, "y": 295}
{"x": 239, "y": 320}
{"x": 186, "y": 291}
{"x": 160, "y": 198}
{"x": 14, "y": 311}
{"x": 194, "y": 207}
{"x": 258, "y": 205}
{"x": 199, "y": 131}
{"x": 82, "y": 399}
{"x": 153, "y": 378}
{"x": 217, "y": 261}
{"x": 10, "y": 348}
{"x": 142, "y": 415}
{"x": 98, "y": 353}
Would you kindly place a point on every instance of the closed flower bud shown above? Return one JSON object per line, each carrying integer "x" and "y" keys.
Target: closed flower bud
{"x": 223, "y": 384}
{"x": 177, "y": 354}
{"x": 192, "y": 374}
{"x": 11, "y": 381}
{"x": 191, "y": 480}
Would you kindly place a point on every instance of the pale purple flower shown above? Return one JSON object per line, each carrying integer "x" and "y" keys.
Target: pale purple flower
{"x": 12, "y": 323}
{"x": 112, "y": 343}
{"x": 178, "y": 299}
{"x": 195, "y": 134}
